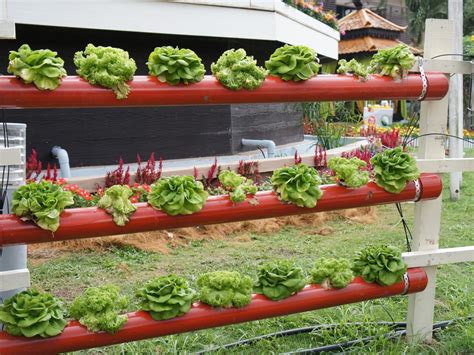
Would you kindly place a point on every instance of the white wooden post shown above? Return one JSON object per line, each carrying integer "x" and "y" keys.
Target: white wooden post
{"x": 456, "y": 122}
{"x": 433, "y": 119}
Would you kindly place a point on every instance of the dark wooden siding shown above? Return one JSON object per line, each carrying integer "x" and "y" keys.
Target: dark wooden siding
{"x": 101, "y": 136}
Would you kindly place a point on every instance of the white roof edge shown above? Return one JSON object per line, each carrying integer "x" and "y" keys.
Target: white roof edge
{"x": 264, "y": 20}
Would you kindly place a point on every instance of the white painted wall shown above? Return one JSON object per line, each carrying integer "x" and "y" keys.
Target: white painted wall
{"x": 247, "y": 19}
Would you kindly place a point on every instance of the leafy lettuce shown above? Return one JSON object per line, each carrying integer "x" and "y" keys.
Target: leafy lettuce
{"x": 177, "y": 195}
{"x": 382, "y": 264}
{"x": 332, "y": 273}
{"x": 41, "y": 67}
{"x": 348, "y": 171}
{"x": 98, "y": 309}
{"x": 42, "y": 203}
{"x": 174, "y": 65}
{"x": 225, "y": 289}
{"x": 235, "y": 70}
{"x": 237, "y": 185}
{"x": 106, "y": 66}
{"x": 394, "y": 62}
{"x": 116, "y": 201}
{"x": 297, "y": 184}
{"x": 166, "y": 297}
{"x": 353, "y": 66}
{"x": 393, "y": 168}
{"x": 294, "y": 63}
{"x": 280, "y": 279}
{"x": 31, "y": 313}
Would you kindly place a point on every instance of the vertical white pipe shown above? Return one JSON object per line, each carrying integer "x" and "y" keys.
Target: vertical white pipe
{"x": 456, "y": 146}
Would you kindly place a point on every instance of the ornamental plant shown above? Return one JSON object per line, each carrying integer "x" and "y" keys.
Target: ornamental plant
{"x": 31, "y": 313}
{"x": 237, "y": 185}
{"x": 298, "y": 184}
{"x": 354, "y": 67}
{"x": 174, "y": 65}
{"x": 394, "y": 62}
{"x": 166, "y": 297}
{"x": 41, "y": 202}
{"x": 381, "y": 264}
{"x": 350, "y": 172}
{"x": 106, "y": 66}
{"x": 332, "y": 272}
{"x": 225, "y": 289}
{"x": 116, "y": 202}
{"x": 279, "y": 279}
{"x": 41, "y": 67}
{"x": 98, "y": 309}
{"x": 235, "y": 70}
{"x": 177, "y": 195}
{"x": 294, "y": 63}
{"x": 393, "y": 168}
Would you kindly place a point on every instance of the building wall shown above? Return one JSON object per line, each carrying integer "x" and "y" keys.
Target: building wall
{"x": 101, "y": 136}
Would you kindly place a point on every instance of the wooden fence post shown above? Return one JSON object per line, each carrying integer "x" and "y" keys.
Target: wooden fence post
{"x": 433, "y": 119}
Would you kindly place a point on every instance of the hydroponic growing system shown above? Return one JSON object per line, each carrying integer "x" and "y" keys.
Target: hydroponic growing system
{"x": 419, "y": 281}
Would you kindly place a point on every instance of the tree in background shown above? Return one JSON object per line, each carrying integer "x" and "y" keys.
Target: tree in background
{"x": 420, "y": 10}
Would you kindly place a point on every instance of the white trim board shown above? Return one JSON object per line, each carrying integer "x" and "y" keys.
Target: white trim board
{"x": 439, "y": 256}
{"x": 13, "y": 279}
{"x": 445, "y": 165}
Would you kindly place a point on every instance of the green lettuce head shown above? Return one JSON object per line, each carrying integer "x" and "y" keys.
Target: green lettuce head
{"x": 41, "y": 67}
{"x": 293, "y": 63}
{"x": 353, "y": 66}
{"x": 394, "y": 62}
{"x": 237, "y": 185}
{"x": 42, "y": 203}
{"x": 235, "y": 70}
{"x": 225, "y": 289}
{"x": 393, "y": 168}
{"x": 166, "y": 297}
{"x": 98, "y": 309}
{"x": 297, "y": 184}
{"x": 106, "y": 66}
{"x": 381, "y": 264}
{"x": 349, "y": 172}
{"x": 173, "y": 65}
{"x": 31, "y": 313}
{"x": 116, "y": 201}
{"x": 332, "y": 273}
{"x": 177, "y": 195}
{"x": 280, "y": 279}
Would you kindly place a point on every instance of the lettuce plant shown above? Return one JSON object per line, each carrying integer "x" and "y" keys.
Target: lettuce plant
{"x": 106, "y": 66}
{"x": 235, "y": 70}
{"x": 393, "y": 168}
{"x": 177, "y": 195}
{"x": 225, "y": 289}
{"x": 31, "y": 313}
{"x": 297, "y": 184}
{"x": 116, "y": 201}
{"x": 293, "y": 63}
{"x": 280, "y": 279}
{"x": 166, "y": 297}
{"x": 353, "y": 66}
{"x": 349, "y": 171}
{"x": 332, "y": 272}
{"x": 174, "y": 65}
{"x": 98, "y": 309}
{"x": 42, "y": 203}
{"x": 394, "y": 62}
{"x": 382, "y": 264}
{"x": 41, "y": 67}
{"x": 237, "y": 185}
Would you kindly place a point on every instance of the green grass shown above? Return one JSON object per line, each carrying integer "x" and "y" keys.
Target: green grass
{"x": 68, "y": 275}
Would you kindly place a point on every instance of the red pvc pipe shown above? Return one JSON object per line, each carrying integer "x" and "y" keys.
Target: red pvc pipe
{"x": 94, "y": 222}
{"x": 141, "y": 326}
{"x": 148, "y": 91}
